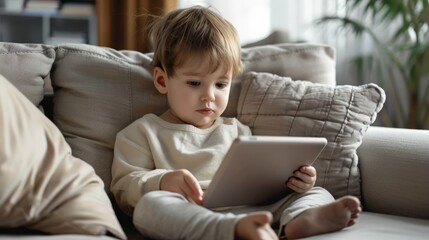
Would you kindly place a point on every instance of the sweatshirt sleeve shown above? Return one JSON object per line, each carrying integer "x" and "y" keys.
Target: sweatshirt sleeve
{"x": 133, "y": 168}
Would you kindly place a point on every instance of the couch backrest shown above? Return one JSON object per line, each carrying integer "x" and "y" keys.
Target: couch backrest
{"x": 99, "y": 91}
{"x": 27, "y": 66}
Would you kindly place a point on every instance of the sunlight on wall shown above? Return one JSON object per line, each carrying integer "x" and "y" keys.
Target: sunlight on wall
{"x": 251, "y": 18}
{"x": 256, "y": 19}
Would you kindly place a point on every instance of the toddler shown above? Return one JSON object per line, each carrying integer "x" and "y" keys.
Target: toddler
{"x": 162, "y": 164}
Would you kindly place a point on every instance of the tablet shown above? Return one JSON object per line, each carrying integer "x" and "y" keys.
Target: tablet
{"x": 256, "y": 168}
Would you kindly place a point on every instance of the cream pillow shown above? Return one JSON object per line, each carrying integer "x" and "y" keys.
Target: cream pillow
{"x": 274, "y": 105}
{"x": 42, "y": 186}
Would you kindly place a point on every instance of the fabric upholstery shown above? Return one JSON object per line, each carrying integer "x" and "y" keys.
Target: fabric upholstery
{"x": 105, "y": 90}
{"x": 311, "y": 62}
{"x": 26, "y": 66}
{"x": 402, "y": 151}
{"x": 374, "y": 226}
{"x": 394, "y": 163}
{"x": 42, "y": 185}
{"x": 274, "y": 105}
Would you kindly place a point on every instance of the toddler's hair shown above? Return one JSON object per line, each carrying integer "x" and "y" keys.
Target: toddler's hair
{"x": 195, "y": 31}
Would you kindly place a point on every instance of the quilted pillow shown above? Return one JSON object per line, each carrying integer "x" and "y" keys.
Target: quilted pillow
{"x": 42, "y": 186}
{"x": 274, "y": 105}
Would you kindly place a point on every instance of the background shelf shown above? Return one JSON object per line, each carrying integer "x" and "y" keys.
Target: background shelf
{"x": 48, "y": 27}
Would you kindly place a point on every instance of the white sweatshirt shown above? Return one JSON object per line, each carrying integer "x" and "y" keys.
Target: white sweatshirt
{"x": 150, "y": 146}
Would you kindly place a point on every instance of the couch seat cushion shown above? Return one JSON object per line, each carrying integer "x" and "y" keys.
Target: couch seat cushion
{"x": 375, "y": 226}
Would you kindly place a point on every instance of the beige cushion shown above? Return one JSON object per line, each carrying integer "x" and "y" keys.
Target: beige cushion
{"x": 311, "y": 62}
{"x": 26, "y": 66}
{"x": 273, "y": 105}
{"x": 42, "y": 186}
{"x": 306, "y": 61}
{"x": 99, "y": 91}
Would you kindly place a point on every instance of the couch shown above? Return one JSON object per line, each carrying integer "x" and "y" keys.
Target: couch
{"x": 91, "y": 92}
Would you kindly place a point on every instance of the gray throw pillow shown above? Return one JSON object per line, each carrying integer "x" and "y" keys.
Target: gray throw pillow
{"x": 274, "y": 105}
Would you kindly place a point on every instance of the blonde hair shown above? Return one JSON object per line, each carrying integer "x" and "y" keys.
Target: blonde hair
{"x": 195, "y": 31}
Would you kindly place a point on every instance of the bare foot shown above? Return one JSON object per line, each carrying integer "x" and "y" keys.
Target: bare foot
{"x": 328, "y": 218}
{"x": 255, "y": 226}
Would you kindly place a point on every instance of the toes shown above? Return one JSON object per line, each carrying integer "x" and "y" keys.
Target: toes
{"x": 351, "y": 222}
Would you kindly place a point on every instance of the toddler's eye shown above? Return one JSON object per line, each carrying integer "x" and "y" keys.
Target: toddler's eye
{"x": 221, "y": 85}
{"x": 193, "y": 83}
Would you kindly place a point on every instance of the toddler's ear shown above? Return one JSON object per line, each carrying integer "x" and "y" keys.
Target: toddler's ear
{"x": 159, "y": 78}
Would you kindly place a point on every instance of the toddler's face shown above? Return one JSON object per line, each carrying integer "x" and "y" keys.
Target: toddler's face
{"x": 195, "y": 95}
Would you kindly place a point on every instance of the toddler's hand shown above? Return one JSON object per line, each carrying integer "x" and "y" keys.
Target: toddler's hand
{"x": 303, "y": 179}
{"x": 183, "y": 182}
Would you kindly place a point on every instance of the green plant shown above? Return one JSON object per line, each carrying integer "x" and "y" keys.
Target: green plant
{"x": 404, "y": 54}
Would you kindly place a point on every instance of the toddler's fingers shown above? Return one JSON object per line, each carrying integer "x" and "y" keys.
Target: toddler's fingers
{"x": 309, "y": 170}
{"x": 195, "y": 192}
{"x": 304, "y": 177}
{"x": 298, "y": 185}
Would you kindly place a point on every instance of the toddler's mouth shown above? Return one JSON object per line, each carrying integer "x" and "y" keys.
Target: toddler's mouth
{"x": 205, "y": 110}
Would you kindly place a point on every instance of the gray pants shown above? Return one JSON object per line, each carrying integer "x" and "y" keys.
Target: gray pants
{"x": 167, "y": 215}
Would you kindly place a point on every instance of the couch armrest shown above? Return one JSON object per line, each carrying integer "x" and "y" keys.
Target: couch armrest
{"x": 394, "y": 165}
